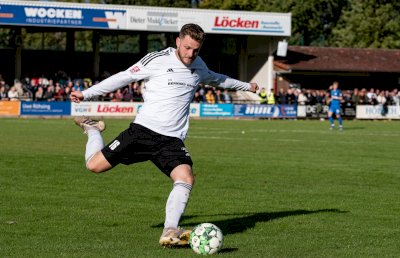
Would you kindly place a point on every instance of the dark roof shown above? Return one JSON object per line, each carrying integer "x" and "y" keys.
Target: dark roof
{"x": 339, "y": 59}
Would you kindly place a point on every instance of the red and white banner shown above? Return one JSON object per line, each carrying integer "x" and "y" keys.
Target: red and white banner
{"x": 105, "y": 109}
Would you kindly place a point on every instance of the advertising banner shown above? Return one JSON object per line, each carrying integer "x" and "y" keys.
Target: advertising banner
{"x": 317, "y": 111}
{"x": 216, "y": 110}
{"x": 194, "y": 110}
{"x": 59, "y": 16}
{"x": 375, "y": 112}
{"x": 128, "y": 109}
{"x": 46, "y": 108}
{"x": 273, "y": 111}
{"x": 212, "y": 21}
{"x": 9, "y": 108}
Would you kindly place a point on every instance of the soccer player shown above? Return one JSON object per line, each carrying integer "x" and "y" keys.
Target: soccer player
{"x": 157, "y": 133}
{"x": 334, "y": 106}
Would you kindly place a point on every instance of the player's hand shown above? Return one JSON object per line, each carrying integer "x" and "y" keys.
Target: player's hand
{"x": 76, "y": 96}
{"x": 253, "y": 87}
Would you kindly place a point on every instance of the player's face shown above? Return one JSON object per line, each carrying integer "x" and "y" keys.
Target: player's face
{"x": 187, "y": 49}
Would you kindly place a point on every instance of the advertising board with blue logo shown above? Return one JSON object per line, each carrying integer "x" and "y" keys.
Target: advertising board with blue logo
{"x": 216, "y": 110}
{"x": 273, "y": 111}
{"x": 39, "y": 15}
{"x": 46, "y": 108}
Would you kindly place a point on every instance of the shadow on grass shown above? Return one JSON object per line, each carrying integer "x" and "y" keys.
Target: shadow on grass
{"x": 242, "y": 222}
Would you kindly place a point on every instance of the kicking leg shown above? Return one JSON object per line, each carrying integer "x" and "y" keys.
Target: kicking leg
{"x": 95, "y": 160}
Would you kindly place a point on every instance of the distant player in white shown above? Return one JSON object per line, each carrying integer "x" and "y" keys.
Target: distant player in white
{"x": 158, "y": 131}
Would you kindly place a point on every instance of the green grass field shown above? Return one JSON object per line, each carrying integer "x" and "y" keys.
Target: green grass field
{"x": 276, "y": 188}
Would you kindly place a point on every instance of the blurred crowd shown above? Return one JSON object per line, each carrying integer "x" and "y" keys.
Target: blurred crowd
{"x": 47, "y": 89}
{"x": 59, "y": 88}
{"x": 350, "y": 97}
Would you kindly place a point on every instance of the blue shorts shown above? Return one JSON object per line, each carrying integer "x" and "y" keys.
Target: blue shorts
{"x": 335, "y": 109}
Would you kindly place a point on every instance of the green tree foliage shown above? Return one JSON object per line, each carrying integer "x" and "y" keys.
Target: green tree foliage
{"x": 369, "y": 24}
{"x": 244, "y": 5}
{"x": 162, "y": 3}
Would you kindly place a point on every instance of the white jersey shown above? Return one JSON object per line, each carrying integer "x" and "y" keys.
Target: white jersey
{"x": 169, "y": 89}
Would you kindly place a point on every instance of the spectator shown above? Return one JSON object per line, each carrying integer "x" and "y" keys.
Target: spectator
{"x": 219, "y": 97}
{"x": 3, "y": 93}
{"x": 58, "y": 92}
{"x": 127, "y": 93}
{"x": 371, "y": 97}
{"x": 302, "y": 98}
{"x": 66, "y": 93}
{"x": 355, "y": 97}
{"x": 281, "y": 96}
{"x": 197, "y": 98}
{"x": 210, "y": 98}
{"x": 263, "y": 96}
{"x": 118, "y": 96}
{"x": 291, "y": 98}
{"x": 382, "y": 102}
{"x": 227, "y": 96}
{"x": 39, "y": 94}
{"x": 49, "y": 93}
{"x": 271, "y": 97}
{"x": 78, "y": 86}
{"x": 311, "y": 97}
{"x": 13, "y": 94}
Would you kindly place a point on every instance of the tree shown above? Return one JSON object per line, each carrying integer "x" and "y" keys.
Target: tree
{"x": 369, "y": 24}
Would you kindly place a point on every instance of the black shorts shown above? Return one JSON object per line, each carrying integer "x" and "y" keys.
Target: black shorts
{"x": 138, "y": 143}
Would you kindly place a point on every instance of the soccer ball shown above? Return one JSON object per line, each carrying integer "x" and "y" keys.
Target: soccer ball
{"x": 206, "y": 238}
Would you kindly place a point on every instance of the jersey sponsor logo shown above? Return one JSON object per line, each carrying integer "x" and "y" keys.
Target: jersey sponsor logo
{"x": 135, "y": 69}
{"x": 225, "y": 22}
{"x": 53, "y": 13}
{"x": 114, "y": 145}
{"x": 172, "y": 83}
{"x": 170, "y": 70}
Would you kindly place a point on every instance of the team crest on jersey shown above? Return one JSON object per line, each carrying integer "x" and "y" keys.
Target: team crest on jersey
{"x": 135, "y": 69}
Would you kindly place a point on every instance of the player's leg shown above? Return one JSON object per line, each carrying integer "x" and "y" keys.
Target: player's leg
{"x": 340, "y": 120}
{"x": 95, "y": 160}
{"x": 183, "y": 180}
{"x": 98, "y": 163}
{"x": 331, "y": 120}
{"x": 174, "y": 160}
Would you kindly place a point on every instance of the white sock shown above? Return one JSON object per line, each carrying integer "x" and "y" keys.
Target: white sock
{"x": 94, "y": 144}
{"x": 176, "y": 203}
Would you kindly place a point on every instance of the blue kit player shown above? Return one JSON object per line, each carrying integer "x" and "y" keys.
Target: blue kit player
{"x": 334, "y": 106}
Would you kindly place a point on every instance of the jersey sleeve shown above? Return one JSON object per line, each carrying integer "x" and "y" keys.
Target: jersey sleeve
{"x": 216, "y": 79}
{"x": 137, "y": 72}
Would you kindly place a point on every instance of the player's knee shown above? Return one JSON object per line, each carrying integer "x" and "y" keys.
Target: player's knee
{"x": 93, "y": 167}
{"x": 183, "y": 173}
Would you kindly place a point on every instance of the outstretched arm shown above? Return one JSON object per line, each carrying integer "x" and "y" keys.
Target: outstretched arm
{"x": 76, "y": 96}
{"x": 221, "y": 80}
{"x": 253, "y": 87}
